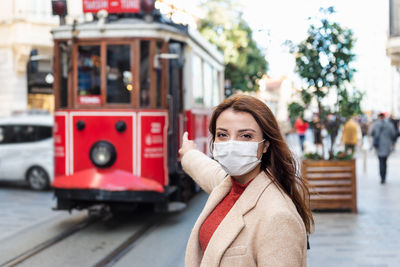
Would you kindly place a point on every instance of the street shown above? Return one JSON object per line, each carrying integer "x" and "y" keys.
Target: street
{"x": 166, "y": 239}
{"x": 369, "y": 238}
{"x": 22, "y": 208}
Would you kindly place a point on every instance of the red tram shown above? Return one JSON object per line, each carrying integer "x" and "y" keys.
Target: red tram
{"x": 126, "y": 88}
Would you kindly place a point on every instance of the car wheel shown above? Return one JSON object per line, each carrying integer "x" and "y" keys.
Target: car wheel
{"x": 38, "y": 178}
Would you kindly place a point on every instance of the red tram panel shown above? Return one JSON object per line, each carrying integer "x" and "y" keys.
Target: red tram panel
{"x": 140, "y": 147}
{"x": 153, "y": 146}
{"x": 100, "y": 125}
{"x": 60, "y": 143}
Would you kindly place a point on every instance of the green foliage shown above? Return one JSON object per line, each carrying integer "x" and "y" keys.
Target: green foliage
{"x": 342, "y": 155}
{"x": 349, "y": 105}
{"x": 225, "y": 27}
{"x": 295, "y": 111}
{"x": 324, "y": 62}
{"x": 306, "y": 97}
{"x": 324, "y": 58}
{"x": 312, "y": 156}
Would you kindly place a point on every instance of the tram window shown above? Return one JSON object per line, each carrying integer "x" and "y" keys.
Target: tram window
{"x": 144, "y": 73}
{"x": 208, "y": 85}
{"x": 119, "y": 76}
{"x": 89, "y": 65}
{"x": 197, "y": 83}
{"x": 63, "y": 74}
{"x": 216, "y": 94}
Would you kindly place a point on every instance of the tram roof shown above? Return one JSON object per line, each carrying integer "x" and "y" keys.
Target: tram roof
{"x": 136, "y": 27}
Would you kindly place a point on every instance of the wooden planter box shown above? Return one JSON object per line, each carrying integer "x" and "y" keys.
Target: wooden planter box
{"x": 332, "y": 184}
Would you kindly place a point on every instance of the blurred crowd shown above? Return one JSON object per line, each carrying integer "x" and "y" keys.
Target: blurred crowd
{"x": 335, "y": 133}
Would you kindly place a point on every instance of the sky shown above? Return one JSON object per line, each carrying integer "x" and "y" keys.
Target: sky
{"x": 273, "y": 22}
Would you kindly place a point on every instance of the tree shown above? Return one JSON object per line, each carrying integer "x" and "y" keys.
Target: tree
{"x": 224, "y": 26}
{"x": 323, "y": 61}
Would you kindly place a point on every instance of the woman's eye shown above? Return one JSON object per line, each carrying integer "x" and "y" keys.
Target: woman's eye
{"x": 247, "y": 136}
{"x": 221, "y": 135}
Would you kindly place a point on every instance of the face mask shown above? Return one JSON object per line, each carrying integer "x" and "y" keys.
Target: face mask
{"x": 237, "y": 157}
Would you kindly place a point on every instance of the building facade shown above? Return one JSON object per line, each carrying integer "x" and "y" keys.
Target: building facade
{"x": 277, "y": 93}
{"x": 393, "y": 51}
{"x": 25, "y": 29}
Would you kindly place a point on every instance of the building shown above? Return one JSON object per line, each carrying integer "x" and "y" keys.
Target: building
{"x": 25, "y": 29}
{"x": 26, "y": 52}
{"x": 393, "y": 51}
{"x": 277, "y": 93}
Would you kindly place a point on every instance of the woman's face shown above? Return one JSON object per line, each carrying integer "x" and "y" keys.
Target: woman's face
{"x": 239, "y": 126}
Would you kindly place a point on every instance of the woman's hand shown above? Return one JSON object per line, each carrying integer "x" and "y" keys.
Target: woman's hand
{"x": 186, "y": 144}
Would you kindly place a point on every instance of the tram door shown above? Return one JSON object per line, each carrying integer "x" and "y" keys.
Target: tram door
{"x": 175, "y": 105}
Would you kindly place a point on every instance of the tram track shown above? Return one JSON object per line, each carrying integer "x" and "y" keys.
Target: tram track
{"x": 107, "y": 240}
{"x": 94, "y": 241}
{"x": 127, "y": 245}
{"x": 49, "y": 242}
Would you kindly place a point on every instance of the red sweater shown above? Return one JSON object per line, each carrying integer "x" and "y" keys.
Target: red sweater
{"x": 210, "y": 224}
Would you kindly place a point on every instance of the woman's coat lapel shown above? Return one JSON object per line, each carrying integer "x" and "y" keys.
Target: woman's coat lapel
{"x": 232, "y": 224}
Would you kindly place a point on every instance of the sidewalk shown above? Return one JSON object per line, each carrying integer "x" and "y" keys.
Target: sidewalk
{"x": 371, "y": 237}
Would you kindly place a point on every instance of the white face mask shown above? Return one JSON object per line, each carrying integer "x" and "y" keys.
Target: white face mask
{"x": 237, "y": 157}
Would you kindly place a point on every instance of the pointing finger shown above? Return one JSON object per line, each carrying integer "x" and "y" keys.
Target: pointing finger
{"x": 185, "y": 137}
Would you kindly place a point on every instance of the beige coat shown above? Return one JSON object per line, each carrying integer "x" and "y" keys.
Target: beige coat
{"x": 263, "y": 228}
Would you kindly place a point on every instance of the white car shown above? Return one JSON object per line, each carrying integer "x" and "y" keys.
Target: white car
{"x": 27, "y": 149}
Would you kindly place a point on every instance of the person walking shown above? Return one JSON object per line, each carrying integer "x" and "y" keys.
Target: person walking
{"x": 332, "y": 125}
{"x": 317, "y": 130}
{"x": 301, "y": 128}
{"x": 257, "y": 213}
{"x": 395, "y": 123}
{"x": 383, "y": 134}
{"x": 351, "y": 135}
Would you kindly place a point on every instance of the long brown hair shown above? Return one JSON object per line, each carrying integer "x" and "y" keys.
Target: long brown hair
{"x": 278, "y": 162}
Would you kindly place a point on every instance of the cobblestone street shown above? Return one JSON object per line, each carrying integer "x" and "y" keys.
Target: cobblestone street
{"x": 371, "y": 237}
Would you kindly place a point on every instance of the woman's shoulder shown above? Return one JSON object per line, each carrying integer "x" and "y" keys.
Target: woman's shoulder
{"x": 275, "y": 202}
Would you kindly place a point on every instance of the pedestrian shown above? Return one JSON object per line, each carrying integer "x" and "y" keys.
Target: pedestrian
{"x": 364, "y": 126}
{"x": 317, "y": 130}
{"x": 301, "y": 128}
{"x": 351, "y": 135}
{"x": 257, "y": 212}
{"x": 395, "y": 123}
{"x": 383, "y": 134}
{"x": 332, "y": 125}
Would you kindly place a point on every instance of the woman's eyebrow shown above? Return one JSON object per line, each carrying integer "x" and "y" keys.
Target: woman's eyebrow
{"x": 222, "y": 129}
{"x": 245, "y": 130}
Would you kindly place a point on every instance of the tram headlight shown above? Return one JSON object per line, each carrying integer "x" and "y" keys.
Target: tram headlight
{"x": 103, "y": 154}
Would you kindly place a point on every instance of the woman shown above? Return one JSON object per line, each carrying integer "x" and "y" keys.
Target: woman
{"x": 256, "y": 214}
